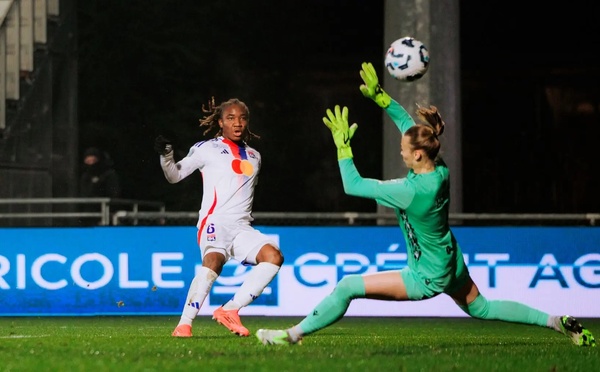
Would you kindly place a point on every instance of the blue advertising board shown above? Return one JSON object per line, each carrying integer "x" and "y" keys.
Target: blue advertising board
{"x": 147, "y": 270}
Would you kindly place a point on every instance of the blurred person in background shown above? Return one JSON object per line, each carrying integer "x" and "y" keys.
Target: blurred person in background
{"x": 229, "y": 168}
{"x": 421, "y": 200}
{"x": 98, "y": 180}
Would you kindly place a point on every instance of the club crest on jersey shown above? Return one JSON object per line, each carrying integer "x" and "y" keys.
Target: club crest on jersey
{"x": 211, "y": 235}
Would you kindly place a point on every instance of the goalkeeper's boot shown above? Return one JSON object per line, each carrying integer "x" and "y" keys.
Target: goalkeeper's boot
{"x": 231, "y": 320}
{"x": 182, "y": 330}
{"x": 275, "y": 337}
{"x": 578, "y": 333}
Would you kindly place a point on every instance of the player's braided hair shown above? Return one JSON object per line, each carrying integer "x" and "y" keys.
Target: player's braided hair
{"x": 425, "y": 136}
{"x": 214, "y": 113}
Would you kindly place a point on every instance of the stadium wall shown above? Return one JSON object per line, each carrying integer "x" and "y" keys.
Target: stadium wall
{"x": 146, "y": 270}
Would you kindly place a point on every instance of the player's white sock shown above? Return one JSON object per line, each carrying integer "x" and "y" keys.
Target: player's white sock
{"x": 554, "y": 323}
{"x": 197, "y": 293}
{"x": 260, "y": 277}
{"x": 295, "y": 333}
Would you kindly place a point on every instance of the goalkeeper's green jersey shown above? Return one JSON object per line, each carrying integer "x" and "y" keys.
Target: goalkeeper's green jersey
{"x": 421, "y": 203}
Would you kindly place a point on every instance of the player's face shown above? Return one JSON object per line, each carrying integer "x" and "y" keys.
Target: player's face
{"x": 234, "y": 122}
{"x": 407, "y": 152}
{"x": 90, "y": 160}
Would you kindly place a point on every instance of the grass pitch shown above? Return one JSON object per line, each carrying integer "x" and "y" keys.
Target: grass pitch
{"x": 352, "y": 344}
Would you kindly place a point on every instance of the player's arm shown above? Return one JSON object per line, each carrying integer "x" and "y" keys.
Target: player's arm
{"x": 174, "y": 171}
{"x": 399, "y": 116}
{"x": 392, "y": 194}
{"x": 373, "y": 90}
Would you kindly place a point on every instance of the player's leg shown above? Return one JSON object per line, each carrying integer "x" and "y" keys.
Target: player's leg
{"x": 251, "y": 248}
{"x": 387, "y": 285}
{"x": 331, "y": 309}
{"x": 476, "y": 305}
{"x": 267, "y": 263}
{"x": 212, "y": 240}
{"x": 212, "y": 264}
{"x": 472, "y": 302}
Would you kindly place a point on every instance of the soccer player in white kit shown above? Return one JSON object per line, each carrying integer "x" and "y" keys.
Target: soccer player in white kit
{"x": 229, "y": 170}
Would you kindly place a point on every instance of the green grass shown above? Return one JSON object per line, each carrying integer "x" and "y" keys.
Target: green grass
{"x": 353, "y": 344}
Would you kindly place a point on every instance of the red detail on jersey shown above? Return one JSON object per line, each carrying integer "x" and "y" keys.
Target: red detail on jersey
{"x": 210, "y": 211}
{"x": 234, "y": 147}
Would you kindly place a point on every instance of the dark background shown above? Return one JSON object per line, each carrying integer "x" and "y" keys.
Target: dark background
{"x": 529, "y": 92}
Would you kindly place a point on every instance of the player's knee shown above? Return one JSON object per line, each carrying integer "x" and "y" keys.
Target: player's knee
{"x": 269, "y": 253}
{"x": 479, "y": 308}
{"x": 350, "y": 287}
{"x": 214, "y": 261}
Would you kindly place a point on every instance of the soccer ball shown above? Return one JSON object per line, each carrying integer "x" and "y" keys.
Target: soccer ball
{"x": 407, "y": 59}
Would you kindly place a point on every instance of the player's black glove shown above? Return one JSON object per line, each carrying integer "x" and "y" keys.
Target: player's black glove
{"x": 163, "y": 145}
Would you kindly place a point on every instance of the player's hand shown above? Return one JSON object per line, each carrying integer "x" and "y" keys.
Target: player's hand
{"x": 162, "y": 145}
{"x": 337, "y": 122}
{"x": 371, "y": 87}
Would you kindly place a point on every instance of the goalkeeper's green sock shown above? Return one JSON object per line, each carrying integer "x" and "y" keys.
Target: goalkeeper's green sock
{"x": 331, "y": 309}
{"x": 508, "y": 311}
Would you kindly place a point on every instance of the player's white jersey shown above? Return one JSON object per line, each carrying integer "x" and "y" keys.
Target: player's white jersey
{"x": 229, "y": 176}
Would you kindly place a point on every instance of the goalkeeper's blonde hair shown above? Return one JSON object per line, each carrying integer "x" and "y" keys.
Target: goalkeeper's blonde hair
{"x": 425, "y": 136}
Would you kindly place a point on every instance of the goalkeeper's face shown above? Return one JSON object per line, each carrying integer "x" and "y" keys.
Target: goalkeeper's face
{"x": 234, "y": 122}
{"x": 410, "y": 156}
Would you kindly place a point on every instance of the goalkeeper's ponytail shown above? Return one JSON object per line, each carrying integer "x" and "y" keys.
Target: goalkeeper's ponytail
{"x": 425, "y": 136}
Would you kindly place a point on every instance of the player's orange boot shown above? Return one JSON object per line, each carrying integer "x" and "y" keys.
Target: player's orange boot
{"x": 231, "y": 320}
{"x": 182, "y": 330}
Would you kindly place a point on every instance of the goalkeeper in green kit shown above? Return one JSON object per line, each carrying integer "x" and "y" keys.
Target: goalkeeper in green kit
{"x": 421, "y": 202}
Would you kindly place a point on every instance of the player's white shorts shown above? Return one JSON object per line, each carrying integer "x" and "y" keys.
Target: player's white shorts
{"x": 233, "y": 240}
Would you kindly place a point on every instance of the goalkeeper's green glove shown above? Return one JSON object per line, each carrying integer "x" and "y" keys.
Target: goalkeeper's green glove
{"x": 338, "y": 125}
{"x": 371, "y": 88}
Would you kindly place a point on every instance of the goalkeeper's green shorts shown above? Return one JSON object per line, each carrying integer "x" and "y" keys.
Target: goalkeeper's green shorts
{"x": 421, "y": 288}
